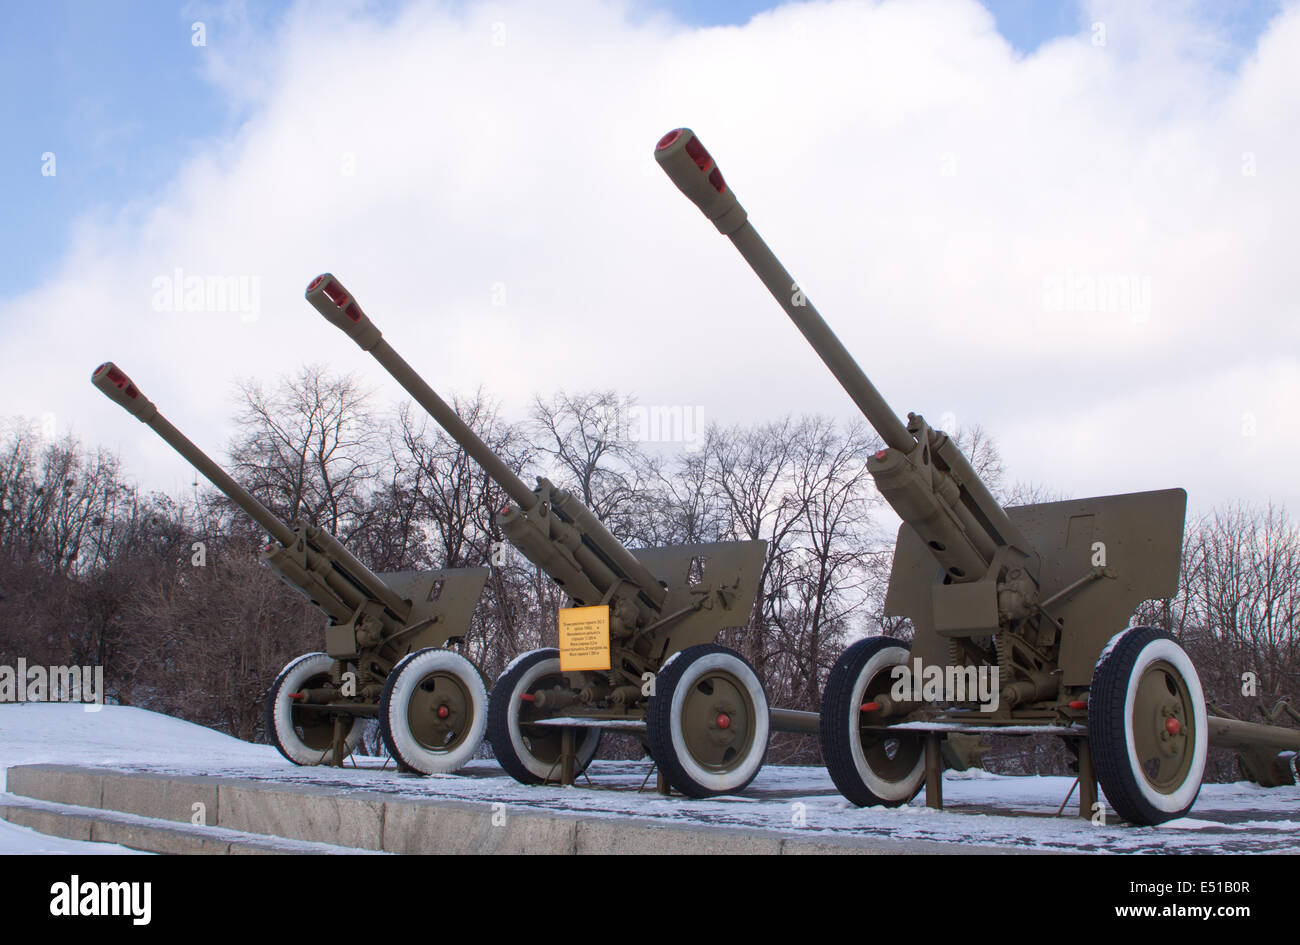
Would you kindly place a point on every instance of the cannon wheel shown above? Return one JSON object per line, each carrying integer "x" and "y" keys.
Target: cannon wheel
{"x": 433, "y": 711}
{"x": 871, "y": 769}
{"x": 304, "y": 736}
{"x": 1147, "y": 724}
{"x": 530, "y": 753}
{"x": 708, "y": 721}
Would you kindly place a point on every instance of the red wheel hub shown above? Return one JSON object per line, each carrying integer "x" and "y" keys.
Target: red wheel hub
{"x": 443, "y": 711}
{"x": 1173, "y": 726}
{"x": 724, "y": 720}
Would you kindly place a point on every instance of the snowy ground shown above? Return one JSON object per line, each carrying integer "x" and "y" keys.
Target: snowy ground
{"x": 983, "y": 809}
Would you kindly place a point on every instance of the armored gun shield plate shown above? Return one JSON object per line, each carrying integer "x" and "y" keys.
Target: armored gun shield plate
{"x": 447, "y": 597}
{"x": 727, "y": 571}
{"x": 1136, "y": 538}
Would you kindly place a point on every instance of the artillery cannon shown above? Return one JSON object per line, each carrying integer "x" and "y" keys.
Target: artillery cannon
{"x": 1036, "y": 597}
{"x": 385, "y": 652}
{"x": 636, "y": 647}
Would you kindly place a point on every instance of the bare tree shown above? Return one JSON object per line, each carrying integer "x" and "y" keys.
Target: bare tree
{"x": 445, "y": 514}
{"x": 307, "y": 448}
{"x": 835, "y": 493}
{"x": 584, "y": 438}
{"x": 1247, "y": 590}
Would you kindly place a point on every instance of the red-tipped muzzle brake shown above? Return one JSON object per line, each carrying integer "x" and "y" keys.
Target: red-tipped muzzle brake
{"x": 691, "y": 167}
{"x": 119, "y": 388}
{"x": 327, "y": 296}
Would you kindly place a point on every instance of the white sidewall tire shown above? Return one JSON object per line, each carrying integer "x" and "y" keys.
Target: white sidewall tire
{"x": 406, "y": 676}
{"x": 584, "y": 748}
{"x": 284, "y": 735}
{"x": 726, "y": 782}
{"x": 892, "y": 792}
{"x": 1173, "y": 654}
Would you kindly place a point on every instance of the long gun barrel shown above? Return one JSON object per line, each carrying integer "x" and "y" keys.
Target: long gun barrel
{"x": 566, "y": 540}
{"x": 692, "y": 169}
{"x": 348, "y": 583}
{"x": 949, "y": 505}
{"x": 115, "y": 385}
{"x": 327, "y": 296}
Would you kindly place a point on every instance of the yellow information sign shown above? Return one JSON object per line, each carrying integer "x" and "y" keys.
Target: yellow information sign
{"x": 584, "y": 638}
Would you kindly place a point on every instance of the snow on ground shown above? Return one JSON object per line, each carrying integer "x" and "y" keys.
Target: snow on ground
{"x": 57, "y": 733}
{"x": 983, "y": 809}
{"x": 15, "y": 839}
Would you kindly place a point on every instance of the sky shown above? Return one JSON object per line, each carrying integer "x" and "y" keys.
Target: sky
{"x": 1068, "y": 223}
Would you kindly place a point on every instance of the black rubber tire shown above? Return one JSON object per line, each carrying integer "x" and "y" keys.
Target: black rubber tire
{"x": 660, "y": 725}
{"x": 839, "y": 709}
{"x": 1108, "y": 731}
{"x": 502, "y": 702}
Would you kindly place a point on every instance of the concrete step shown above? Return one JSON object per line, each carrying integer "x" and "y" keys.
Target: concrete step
{"x": 149, "y": 834}
{"x": 336, "y": 818}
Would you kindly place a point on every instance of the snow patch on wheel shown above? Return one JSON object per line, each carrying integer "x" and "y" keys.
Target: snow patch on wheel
{"x": 515, "y": 663}
{"x": 1113, "y": 642}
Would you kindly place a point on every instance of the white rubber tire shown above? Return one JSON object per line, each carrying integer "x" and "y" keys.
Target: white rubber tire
{"x": 891, "y": 792}
{"x": 1120, "y": 668}
{"x": 512, "y": 751}
{"x": 280, "y": 727}
{"x": 395, "y": 728}
{"x": 665, "y": 732}
{"x": 841, "y": 740}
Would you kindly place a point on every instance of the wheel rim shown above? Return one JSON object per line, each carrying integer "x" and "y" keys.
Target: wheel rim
{"x": 889, "y": 757}
{"x": 718, "y": 722}
{"x": 314, "y": 728}
{"x": 544, "y": 742}
{"x": 530, "y": 752}
{"x": 440, "y": 712}
{"x": 1164, "y": 727}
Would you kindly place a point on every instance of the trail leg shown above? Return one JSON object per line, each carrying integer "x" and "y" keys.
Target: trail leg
{"x": 566, "y": 757}
{"x": 933, "y": 772}
{"x": 1087, "y": 780}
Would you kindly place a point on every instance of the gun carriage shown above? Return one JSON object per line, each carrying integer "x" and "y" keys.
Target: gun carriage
{"x": 386, "y": 646}
{"x": 1040, "y": 596}
{"x": 699, "y": 708}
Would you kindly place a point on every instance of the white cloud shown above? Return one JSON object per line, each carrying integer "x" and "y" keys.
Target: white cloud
{"x": 931, "y": 189}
